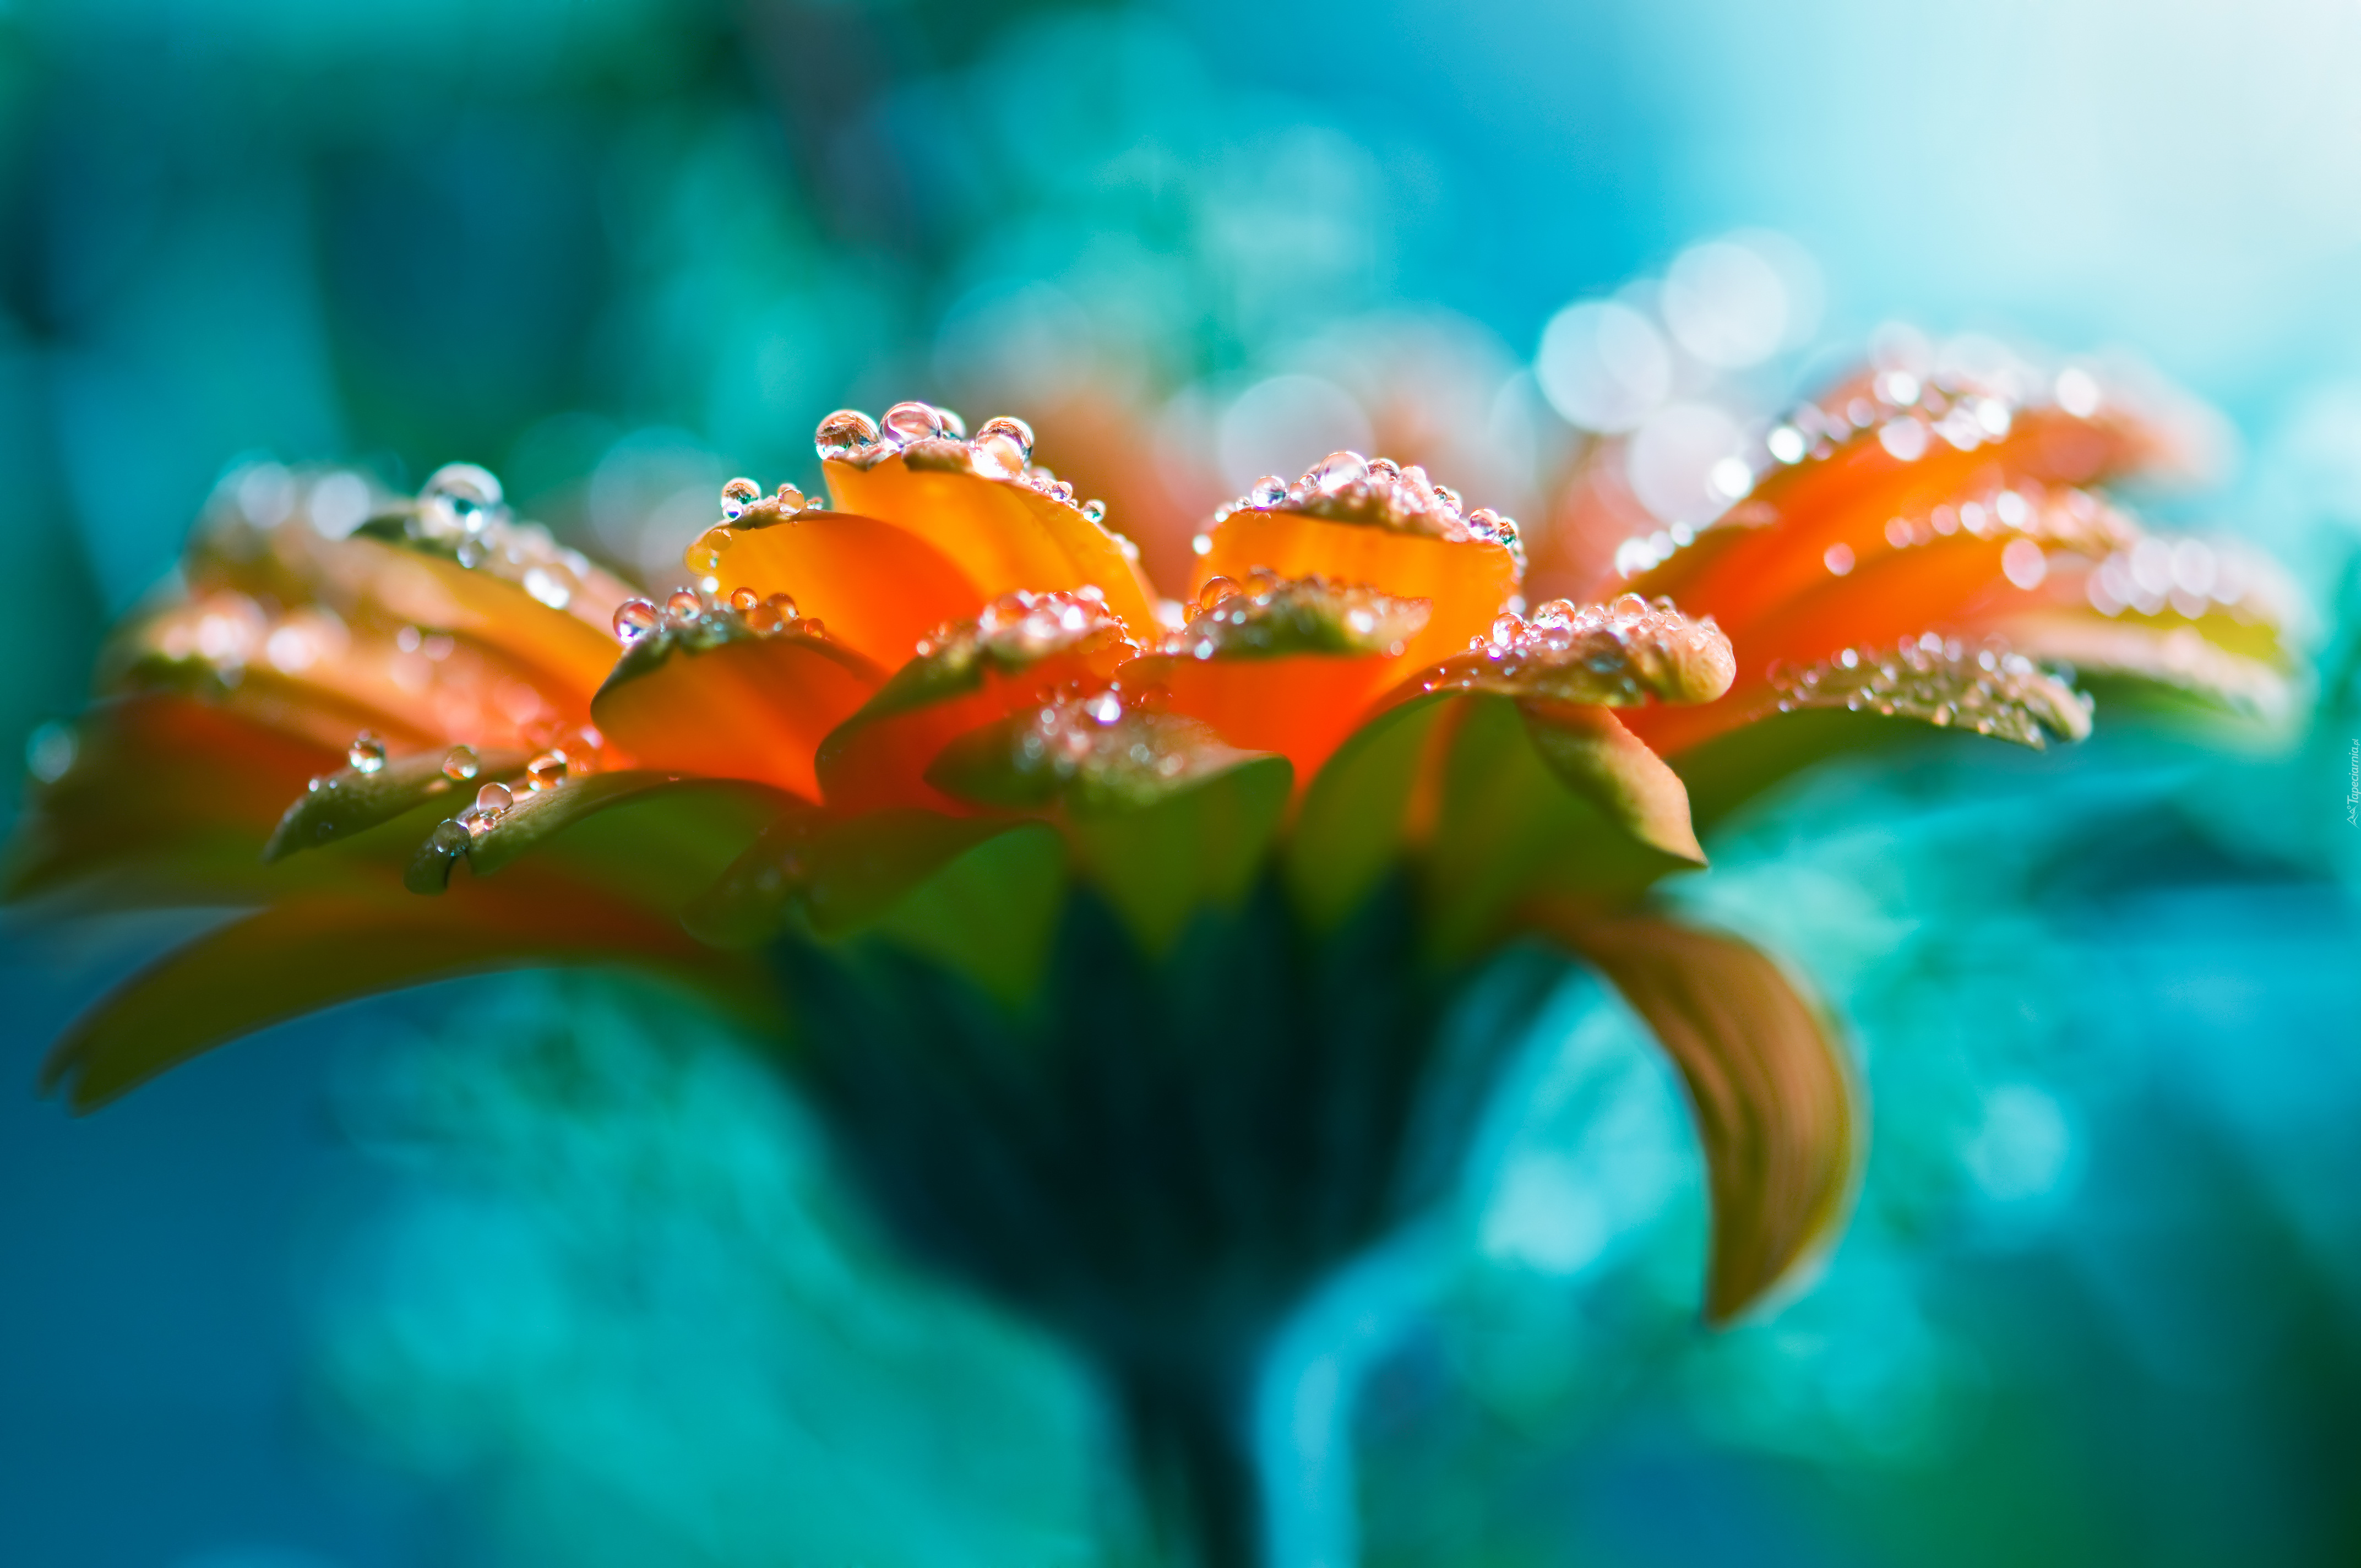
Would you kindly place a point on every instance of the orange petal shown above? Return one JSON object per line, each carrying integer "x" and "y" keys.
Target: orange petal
{"x": 726, "y": 702}
{"x": 1026, "y": 648}
{"x": 1003, "y": 534}
{"x": 877, "y": 587}
{"x": 1831, "y": 508}
{"x": 566, "y": 657}
{"x": 1288, "y": 668}
{"x": 1465, "y": 582}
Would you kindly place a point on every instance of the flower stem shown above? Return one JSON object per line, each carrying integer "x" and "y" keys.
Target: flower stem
{"x": 1192, "y": 1450}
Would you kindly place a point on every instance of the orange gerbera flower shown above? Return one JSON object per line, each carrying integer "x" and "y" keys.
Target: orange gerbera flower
{"x": 908, "y": 777}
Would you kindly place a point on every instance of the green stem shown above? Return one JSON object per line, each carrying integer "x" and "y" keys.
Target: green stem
{"x": 1193, "y": 1447}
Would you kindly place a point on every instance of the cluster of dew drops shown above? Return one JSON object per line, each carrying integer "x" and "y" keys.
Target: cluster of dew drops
{"x": 1350, "y": 488}
{"x": 1942, "y": 681}
{"x": 1609, "y": 641}
{"x": 688, "y": 609}
{"x": 929, "y": 437}
{"x": 461, "y": 765}
{"x": 1901, "y": 413}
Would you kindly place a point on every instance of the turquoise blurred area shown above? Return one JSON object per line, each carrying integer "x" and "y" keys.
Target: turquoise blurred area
{"x": 532, "y": 1272}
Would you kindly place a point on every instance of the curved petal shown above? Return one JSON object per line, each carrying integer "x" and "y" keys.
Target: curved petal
{"x": 168, "y": 801}
{"x": 1026, "y": 650}
{"x": 722, "y": 700}
{"x": 1003, "y": 534}
{"x": 301, "y": 957}
{"x": 1777, "y": 1104}
{"x": 877, "y": 587}
{"x": 1466, "y": 582}
{"x": 1280, "y": 666}
{"x": 565, "y": 656}
{"x": 1869, "y": 463}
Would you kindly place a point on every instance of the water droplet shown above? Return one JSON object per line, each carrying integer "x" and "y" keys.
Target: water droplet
{"x": 704, "y": 557}
{"x": 908, "y": 422}
{"x": 812, "y": 627}
{"x": 1095, "y": 511}
{"x": 459, "y": 498}
{"x": 367, "y": 753}
{"x": 472, "y": 553}
{"x": 783, "y": 603}
{"x": 494, "y": 798}
{"x": 737, "y": 495}
{"x": 1339, "y": 473}
{"x": 790, "y": 498}
{"x": 685, "y": 605}
{"x": 1268, "y": 491}
{"x": 459, "y": 764}
{"x": 1011, "y": 433}
{"x": 634, "y": 619}
{"x": 545, "y": 772}
{"x": 743, "y": 599}
{"x": 1216, "y": 590}
{"x": 1628, "y": 607}
{"x": 450, "y": 839}
{"x": 847, "y": 435}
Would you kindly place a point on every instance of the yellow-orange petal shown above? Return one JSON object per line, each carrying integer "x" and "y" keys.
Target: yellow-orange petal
{"x": 721, "y": 700}
{"x": 1026, "y": 648}
{"x": 1466, "y": 582}
{"x": 877, "y": 587}
{"x": 1002, "y": 533}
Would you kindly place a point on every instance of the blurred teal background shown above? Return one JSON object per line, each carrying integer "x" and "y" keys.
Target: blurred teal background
{"x": 525, "y": 1273}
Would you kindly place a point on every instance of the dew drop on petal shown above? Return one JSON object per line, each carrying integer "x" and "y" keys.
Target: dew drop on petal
{"x": 743, "y": 599}
{"x": 459, "y": 764}
{"x": 1268, "y": 491}
{"x": 457, "y": 498}
{"x": 494, "y": 798}
{"x": 686, "y": 604}
{"x": 783, "y": 603}
{"x": 367, "y": 753}
{"x": 737, "y": 495}
{"x": 1094, "y": 510}
{"x": 1339, "y": 472}
{"x": 635, "y": 618}
{"x": 789, "y": 498}
{"x": 908, "y": 422}
{"x": 545, "y": 772}
{"x": 845, "y": 436}
{"x": 1216, "y": 590}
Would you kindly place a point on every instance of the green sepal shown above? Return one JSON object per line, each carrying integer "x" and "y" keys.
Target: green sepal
{"x": 672, "y": 833}
{"x": 350, "y": 801}
{"x": 834, "y": 876}
{"x": 1159, "y": 863}
{"x": 1506, "y": 827}
{"x": 1349, "y": 831}
{"x": 1593, "y": 755}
